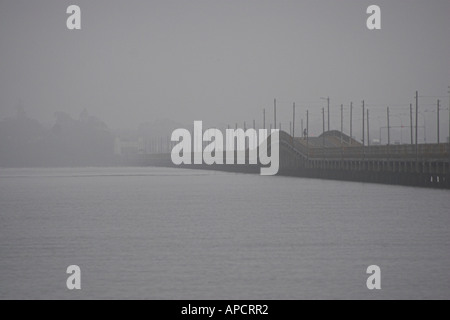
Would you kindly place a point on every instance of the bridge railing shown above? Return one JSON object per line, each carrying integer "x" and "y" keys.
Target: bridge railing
{"x": 435, "y": 151}
{"x": 421, "y": 151}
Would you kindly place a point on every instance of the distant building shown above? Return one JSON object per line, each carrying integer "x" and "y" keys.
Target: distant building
{"x": 128, "y": 146}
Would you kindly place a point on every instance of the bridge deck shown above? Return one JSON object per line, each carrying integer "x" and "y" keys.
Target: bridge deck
{"x": 422, "y": 165}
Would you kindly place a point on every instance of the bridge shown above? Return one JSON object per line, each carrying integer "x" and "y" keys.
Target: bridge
{"x": 336, "y": 156}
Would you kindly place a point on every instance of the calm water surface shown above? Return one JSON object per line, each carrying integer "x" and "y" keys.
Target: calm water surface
{"x": 153, "y": 233}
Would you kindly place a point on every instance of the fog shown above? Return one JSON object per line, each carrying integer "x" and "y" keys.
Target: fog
{"x": 136, "y": 64}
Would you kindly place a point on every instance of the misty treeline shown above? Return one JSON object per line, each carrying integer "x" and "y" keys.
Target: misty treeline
{"x": 25, "y": 142}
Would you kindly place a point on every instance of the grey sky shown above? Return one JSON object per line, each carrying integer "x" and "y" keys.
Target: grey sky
{"x": 222, "y": 61}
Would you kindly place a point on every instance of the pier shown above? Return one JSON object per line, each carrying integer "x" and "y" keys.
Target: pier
{"x": 336, "y": 156}
{"x": 423, "y": 165}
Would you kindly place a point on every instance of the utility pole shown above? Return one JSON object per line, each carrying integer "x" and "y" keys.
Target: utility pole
{"x": 290, "y": 128}
{"x": 342, "y": 121}
{"x": 388, "y": 127}
{"x": 411, "y": 122}
{"x": 245, "y": 126}
{"x": 328, "y": 107}
{"x": 448, "y": 150}
{"x": 417, "y": 123}
{"x": 368, "y": 129}
{"x": 293, "y": 120}
{"x": 438, "y": 140}
{"x": 417, "y": 117}
{"x": 275, "y": 113}
{"x": 363, "y": 124}
{"x": 323, "y": 128}
{"x": 303, "y": 135}
{"x": 307, "y": 131}
{"x": 328, "y": 101}
{"x": 351, "y": 122}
